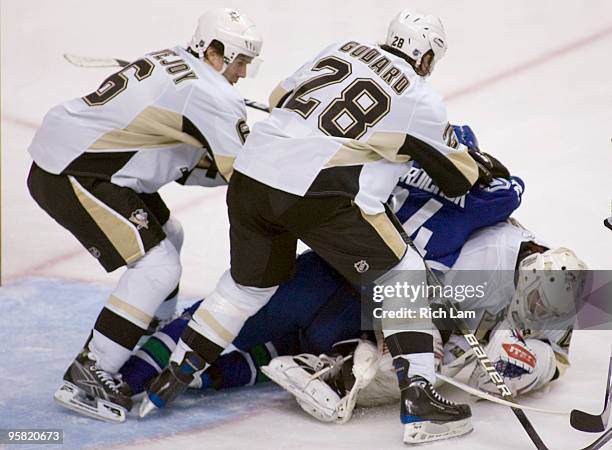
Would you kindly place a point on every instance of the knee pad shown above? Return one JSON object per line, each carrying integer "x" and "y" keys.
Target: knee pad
{"x": 147, "y": 282}
{"x": 247, "y": 299}
{"x": 174, "y": 232}
{"x": 223, "y": 314}
{"x": 404, "y": 302}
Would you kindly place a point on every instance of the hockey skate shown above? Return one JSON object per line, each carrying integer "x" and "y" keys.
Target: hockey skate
{"x": 427, "y": 416}
{"x": 171, "y": 383}
{"x": 92, "y": 391}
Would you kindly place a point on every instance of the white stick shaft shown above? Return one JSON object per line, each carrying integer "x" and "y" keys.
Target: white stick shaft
{"x": 491, "y": 398}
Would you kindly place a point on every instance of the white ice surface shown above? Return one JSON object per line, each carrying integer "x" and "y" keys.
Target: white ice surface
{"x": 532, "y": 78}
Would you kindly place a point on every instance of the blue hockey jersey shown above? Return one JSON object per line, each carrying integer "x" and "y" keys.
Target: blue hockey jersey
{"x": 318, "y": 307}
{"x": 440, "y": 225}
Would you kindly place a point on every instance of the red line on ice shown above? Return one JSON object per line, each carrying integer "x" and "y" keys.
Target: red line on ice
{"x": 528, "y": 65}
{"x": 81, "y": 251}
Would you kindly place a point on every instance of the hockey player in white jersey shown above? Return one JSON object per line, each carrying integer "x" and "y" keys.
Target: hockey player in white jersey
{"x": 99, "y": 160}
{"x": 320, "y": 168}
{"x": 526, "y": 325}
{"x": 532, "y": 297}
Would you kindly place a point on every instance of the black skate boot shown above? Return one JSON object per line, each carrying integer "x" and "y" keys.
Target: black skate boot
{"x": 427, "y": 416}
{"x": 92, "y": 391}
{"x": 171, "y": 383}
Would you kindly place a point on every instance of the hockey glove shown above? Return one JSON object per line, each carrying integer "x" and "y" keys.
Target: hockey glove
{"x": 465, "y": 135}
{"x": 512, "y": 358}
{"x": 488, "y": 166}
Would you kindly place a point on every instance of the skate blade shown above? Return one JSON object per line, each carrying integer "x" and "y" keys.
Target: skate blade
{"x": 146, "y": 406}
{"x": 71, "y": 397}
{"x": 422, "y": 432}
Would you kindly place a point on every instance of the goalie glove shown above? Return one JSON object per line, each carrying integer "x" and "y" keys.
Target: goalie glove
{"x": 324, "y": 386}
{"x": 513, "y": 359}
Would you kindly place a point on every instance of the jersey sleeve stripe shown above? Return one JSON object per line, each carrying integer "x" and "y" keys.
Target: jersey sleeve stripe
{"x": 453, "y": 173}
{"x": 278, "y": 96}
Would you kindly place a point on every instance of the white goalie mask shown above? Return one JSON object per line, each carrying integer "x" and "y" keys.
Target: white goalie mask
{"x": 235, "y": 31}
{"x": 414, "y": 34}
{"x": 549, "y": 289}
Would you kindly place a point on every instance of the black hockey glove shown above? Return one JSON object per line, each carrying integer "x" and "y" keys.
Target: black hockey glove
{"x": 488, "y": 167}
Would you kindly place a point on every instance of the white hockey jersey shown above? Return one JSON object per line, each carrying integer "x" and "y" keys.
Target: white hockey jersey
{"x": 147, "y": 125}
{"x": 348, "y": 122}
{"x": 489, "y": 259}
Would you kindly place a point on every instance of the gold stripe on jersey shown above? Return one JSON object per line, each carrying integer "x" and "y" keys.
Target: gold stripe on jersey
{"x": 379, "y": 145}
{"x": 387, "y": 231}
{"x": 122, "y": 234}
{"x": 222, "y": 333}
{"x": 152, "y": 128}
{"x": 124, "y": 309}
{"x": 276, "y": 96}
{"x": 387, "y": 144}
{"x": 353, "y": 153}
{"x": 225, "y": 164}
{"x": 465, "y": 164}
{"x": 562, "y": 362}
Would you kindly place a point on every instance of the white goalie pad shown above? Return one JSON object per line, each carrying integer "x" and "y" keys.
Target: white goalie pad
{"x": 313, "y": 395}
{"x": 302, "y": 376}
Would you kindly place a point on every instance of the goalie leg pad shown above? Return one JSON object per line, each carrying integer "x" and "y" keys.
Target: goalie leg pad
{"x": 313, "y": 395}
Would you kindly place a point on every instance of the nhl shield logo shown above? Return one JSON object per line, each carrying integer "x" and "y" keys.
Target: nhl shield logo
{"x": 94, "y": 252}
{"x": 361, "y": 266}
{"x": 140, "y": 218}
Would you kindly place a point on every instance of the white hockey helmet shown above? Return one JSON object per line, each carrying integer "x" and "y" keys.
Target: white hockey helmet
{"x": 235, "y": 31}
{"x": 549, "y": 289}
{"x": 414, "y": 34}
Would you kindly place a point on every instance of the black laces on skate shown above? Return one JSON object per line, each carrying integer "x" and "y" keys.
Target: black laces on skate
{"x": 106, "y": 378}
{"x": 438, "y": 397}
{"x": 420, "y": 381}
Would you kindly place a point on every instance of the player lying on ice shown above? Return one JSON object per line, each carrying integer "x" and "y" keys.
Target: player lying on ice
{"x": 327, "y": 311}
{"x": 422, "y": 209}
{"x": 326, "y": 322}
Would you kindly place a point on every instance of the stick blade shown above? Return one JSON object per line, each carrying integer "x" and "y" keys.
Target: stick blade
{"x": 586, "y": 422}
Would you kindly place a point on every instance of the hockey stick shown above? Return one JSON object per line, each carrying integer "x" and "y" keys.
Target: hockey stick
{"x": 600, "y": 441}
{"x": 493, "y": 399}
{"x": 495, "y": 377}
{"x": 482, "y": 357}
{"x": 591, "y": 423}
{"x": 87, "y": 61}
{"x": 90, "y": 62}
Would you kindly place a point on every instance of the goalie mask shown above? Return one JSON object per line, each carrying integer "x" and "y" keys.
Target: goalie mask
{"x": 235, "y": 31}
{"x": 414, "y": 35}
{"x": 549, "y": 290}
